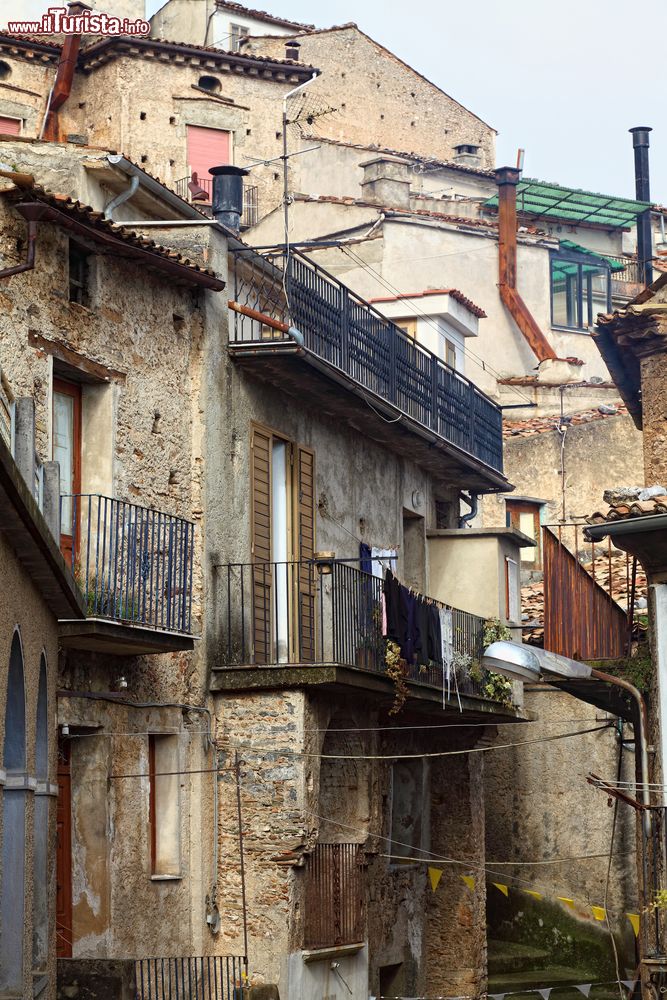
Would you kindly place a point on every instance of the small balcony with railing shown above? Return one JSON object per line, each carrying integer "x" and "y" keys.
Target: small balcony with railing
{"x": 321, "y": 623}
{"x": 198, "y": 191}
{"x": 297, "y": 326}
{"x": 134, "y": 566}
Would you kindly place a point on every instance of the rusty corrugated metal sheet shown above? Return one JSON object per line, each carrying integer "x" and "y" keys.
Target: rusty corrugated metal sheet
{"x": 581, "y": 620}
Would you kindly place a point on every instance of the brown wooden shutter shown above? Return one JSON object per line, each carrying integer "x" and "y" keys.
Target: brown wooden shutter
{"x": 260, "y": 526}
{"x": 305, "y": 531}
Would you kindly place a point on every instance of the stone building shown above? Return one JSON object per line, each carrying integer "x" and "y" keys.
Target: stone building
{"x": 38, "y": 589}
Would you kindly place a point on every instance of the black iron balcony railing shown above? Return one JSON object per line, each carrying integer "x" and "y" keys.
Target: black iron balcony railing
{"x": 134, "y": 565}
{"x": 341, "y": 329}
{"x": 330, "y": 612}
{"x": 334, "y": 896}
{"x": 211, "y": 977}
{"x": 199, "y": 191}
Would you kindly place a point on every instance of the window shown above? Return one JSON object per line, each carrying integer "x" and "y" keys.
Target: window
{"x": 207, "y": 147}
{"x": 66, "y": 450}
{"x": 78, "y": 274}
{"x": 524, "y": 515}
{"x": 164, "y": 806}
{"x": 10, "y": 126}
{"x": 409, "y": 808}
{"x": 450, "y": 354}
{"x": 408, "y": 326}
{"x": 238, "y": 32}
{"x": 511, "y": 590}
{"x": 580, "y": 289}
{"x": 283, "y": 542}
{"x": 209, "y": 83}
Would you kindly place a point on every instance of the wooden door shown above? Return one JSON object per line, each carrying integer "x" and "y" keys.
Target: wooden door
{"x": 67, "y": 452}
{"x": 64, "y": 852}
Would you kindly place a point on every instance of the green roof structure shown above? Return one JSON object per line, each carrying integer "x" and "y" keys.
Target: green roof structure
{"x": 552, "y": 201}
{"x": 614, "y": 264}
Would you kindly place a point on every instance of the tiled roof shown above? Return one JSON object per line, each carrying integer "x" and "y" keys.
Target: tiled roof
{"x": 425, "y": 160}
{"x": 454, "y": 292}
{"x": 29, "y": 47}
{"x": 629, "y": 510}
{"x": 95, "y": 223}
{"x": 541, "y": 425}
{"x": 105, "y": 49}
{"x": 262, "y": 15}
{"x": 392, "y": 211}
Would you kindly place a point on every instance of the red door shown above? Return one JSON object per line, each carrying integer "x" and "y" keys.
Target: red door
{"x": 207, "y": 147}
{"x": 64, "y": 853}
{"x": 67, "y": 452}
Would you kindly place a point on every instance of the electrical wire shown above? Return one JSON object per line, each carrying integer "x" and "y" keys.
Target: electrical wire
{"x": 288, "y": 751}
{"x": 386, "y": 284}
{"x": 446, "y": 725}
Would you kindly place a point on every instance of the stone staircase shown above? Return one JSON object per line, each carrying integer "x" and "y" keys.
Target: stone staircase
{"x": 518, "y": 968}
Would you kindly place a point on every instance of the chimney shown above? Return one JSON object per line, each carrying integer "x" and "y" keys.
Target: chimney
{"x": 386, "y": 182}
{"x": 640, "y": 142}
{"x": 228, "y": 195}
{"x": 468, "y": 155}
{"x": 292, "y": 49}
{"x": 507, "y": 179}
{"x": 62, "y": 85}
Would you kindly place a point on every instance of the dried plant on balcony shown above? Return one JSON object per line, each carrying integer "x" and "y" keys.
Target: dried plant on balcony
{"x": 396, "y": 670}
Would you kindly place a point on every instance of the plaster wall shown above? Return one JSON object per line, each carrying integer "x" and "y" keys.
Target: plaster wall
{"x": 406, "y": 110}
{"x": 23, "y": 608}
{"x": 467, "y": 571}
{"x": 187, "y": 21}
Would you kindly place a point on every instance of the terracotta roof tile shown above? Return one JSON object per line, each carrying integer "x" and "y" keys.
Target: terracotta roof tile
{"x": 419, "y": 157}
{"x": 531, "y": 426}
{"x": 623, "y": 511}
{"x": 96, "y": 221}
{"x": 262, "y": 15}
{"x": 454, "y": 292}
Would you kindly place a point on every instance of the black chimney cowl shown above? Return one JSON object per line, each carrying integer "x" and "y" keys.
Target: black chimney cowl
{"x": 228, "y": 195}
{"x": 292, "y": 50}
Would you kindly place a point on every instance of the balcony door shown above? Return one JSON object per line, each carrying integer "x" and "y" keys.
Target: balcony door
{"x": 283, "y": 520}
{"x": 67, "y": 452}
{"x": 207, "y": 147}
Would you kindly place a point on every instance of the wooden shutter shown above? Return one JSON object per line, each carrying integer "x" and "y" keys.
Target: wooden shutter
{"x": 261, "y": 442}
{"x": 305, "y": 538}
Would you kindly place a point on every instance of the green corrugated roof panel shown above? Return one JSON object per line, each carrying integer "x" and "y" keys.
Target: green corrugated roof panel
{"x": 553, "y": 201}
{"x": 615, "y": 265}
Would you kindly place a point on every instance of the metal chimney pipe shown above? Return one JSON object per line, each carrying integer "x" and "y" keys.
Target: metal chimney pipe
{"x": 228, "y": 195}
{"x": 640, "y": 143}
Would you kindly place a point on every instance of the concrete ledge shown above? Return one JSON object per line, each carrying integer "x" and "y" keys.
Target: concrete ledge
{"x": 339, "y": 951}
{"x": 120, "y": 639}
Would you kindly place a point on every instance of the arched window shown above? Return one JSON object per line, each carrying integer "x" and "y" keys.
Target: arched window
{"x": 210, "y": 83}
{"x": 40, "y": 896}
{"x": 12, "y": 903}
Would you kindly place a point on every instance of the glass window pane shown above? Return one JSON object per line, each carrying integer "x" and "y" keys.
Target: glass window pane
{"x": 598, "y": 295}
{"x": 63, "y": 452}
{"x": 565, "y": 276}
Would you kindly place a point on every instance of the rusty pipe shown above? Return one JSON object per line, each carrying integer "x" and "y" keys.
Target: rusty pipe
{"x": 274, "y": 324}
{"x": 62, "y": 85}
{"x": 29, "y": 262}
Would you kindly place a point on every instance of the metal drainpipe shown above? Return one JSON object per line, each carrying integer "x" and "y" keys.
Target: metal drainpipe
{"x": 29, "y": 262}
{"x": 473, "y": 501}
{"x": 121, "y": 198}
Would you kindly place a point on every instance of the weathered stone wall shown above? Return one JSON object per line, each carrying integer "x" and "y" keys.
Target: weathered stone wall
{"x": 548, "y": 830}
{"x": 380, "y": 99}
{"x": 24, "y": 87}
{"x": 595, "y": 454}
{"x": 23, "y": 608}
{"x": 654, "y": 407}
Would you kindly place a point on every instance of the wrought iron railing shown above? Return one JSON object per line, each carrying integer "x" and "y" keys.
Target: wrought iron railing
{"x": 328, "y": 612}
{"x": 334, "y": 896}
{"x": 199, "y": 191}
{"x": 134, "y": 565}
{"x": 341, "y": 329}
{"x": 211, "y": 977}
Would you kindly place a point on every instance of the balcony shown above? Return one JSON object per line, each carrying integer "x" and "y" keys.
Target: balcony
{"x": 319, "y": 623}
{"x": 359, "y": 368}
{"x": 199, "y": 191}
{"x": 134, "y": 566}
